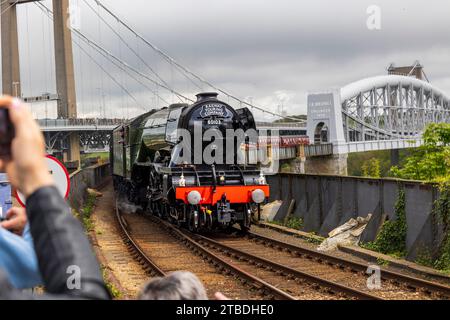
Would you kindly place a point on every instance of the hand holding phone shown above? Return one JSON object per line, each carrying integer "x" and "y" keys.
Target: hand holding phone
{"x": 6, "y": 133}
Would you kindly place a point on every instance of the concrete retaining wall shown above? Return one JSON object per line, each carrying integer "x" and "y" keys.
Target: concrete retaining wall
{"x": 325, "y": 202}
{"x": 80, "y": 181}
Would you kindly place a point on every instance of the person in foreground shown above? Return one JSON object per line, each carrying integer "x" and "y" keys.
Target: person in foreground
{"x": 179, "y": 285}
{"x": 17, "y": 255}
{"x": 68, "y": 267}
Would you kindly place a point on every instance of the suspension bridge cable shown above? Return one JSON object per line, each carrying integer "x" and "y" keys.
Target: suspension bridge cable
{"x": 100, "y": 49}
{"x": 46, "y": 79}
{"x": 9, "y": 7}
{"x": 126, "y": 43}
{"x": 48, "y": 14}
{"x": 29, "y": 52}
{"x": 185, "y": 69}
{"x": 107, "y": 73}
{"x": 92, "y": 58}
{"x": 102, "y": 88}
{"x": 155, "y": 48}
{"x": 123, "y": 40}
{"x": 125, "y": 64}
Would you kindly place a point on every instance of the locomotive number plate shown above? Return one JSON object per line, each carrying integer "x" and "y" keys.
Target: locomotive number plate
{"x": 214, "y": 122}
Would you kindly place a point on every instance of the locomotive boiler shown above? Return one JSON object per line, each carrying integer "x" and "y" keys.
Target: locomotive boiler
{"x": 184, "y": 163}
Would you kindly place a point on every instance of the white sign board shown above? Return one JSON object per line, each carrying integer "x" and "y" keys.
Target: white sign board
{"x": 60, "y": 176}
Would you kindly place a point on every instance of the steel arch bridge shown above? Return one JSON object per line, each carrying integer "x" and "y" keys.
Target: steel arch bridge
{"x": 378, "y": 113}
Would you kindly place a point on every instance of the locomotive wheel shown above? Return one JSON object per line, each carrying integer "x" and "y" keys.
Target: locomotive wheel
{"x": 209, "y": 220}
{"x": 193, "y": 222}
{"x": 191, "y": 225}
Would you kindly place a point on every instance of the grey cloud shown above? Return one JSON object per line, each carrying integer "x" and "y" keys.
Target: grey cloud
{"x": 253, "y": 48}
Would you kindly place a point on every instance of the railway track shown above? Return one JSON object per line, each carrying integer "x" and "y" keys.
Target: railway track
{"x": 136, "y": 250}
{"x": 277, "y": 270}
{"x": 289, "y": 259}
{"x": 259, "y": 284}
{"x": 153, "y": 245}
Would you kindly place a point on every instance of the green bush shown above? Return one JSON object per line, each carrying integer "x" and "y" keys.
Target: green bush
{"x": 86, "y": 213}
{"x": 294, "y": 223}
{"x": 392, "y": 236}
{"x": 442, "y": 211}
{"x": 371, "y": 168}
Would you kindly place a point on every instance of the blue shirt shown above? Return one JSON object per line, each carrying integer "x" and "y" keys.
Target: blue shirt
{"x": 18, "y": 259}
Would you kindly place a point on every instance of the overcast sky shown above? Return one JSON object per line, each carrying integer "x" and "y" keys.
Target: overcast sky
{"x": 271, "y": 52}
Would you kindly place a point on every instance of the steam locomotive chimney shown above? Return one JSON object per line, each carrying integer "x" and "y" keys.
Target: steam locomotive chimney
{"x": 206, "y": 95}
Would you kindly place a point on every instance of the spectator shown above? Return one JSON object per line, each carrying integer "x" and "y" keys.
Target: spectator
{"x": 66, "y": 261}
{"x": 179, "y": 285}
{"x": 17, "y": 256}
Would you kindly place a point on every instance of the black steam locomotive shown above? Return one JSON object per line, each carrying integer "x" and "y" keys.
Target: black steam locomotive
{"x": 156, "y": 167}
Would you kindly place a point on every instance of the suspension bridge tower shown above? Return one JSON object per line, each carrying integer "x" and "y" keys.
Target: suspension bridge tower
{"x": 65, "y": 77}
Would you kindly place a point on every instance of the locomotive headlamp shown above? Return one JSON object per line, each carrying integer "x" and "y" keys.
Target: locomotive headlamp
{"x": 262, "y": 179}
{"x": 194, "y": 197}
{"x": 258, "y": 196}
{"x": 182, "y": 181}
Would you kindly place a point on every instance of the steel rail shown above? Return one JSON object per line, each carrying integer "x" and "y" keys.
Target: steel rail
{"x": 397, "y": 278}
{"x": 133, "y": 246}
{"x": 223, "y": 265}
{"x": 287, "y": 271}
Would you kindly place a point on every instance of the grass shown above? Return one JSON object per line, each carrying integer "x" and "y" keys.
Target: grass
{"x": 292, "y": 223}
{"x": 382, "y": 262}
{"x": 104, "y": 157}
{"x": 86, "y": 213}
{"x": 115, "y": 293}
{"x": 101, "y": 155}
{"x": 85, "y": 216}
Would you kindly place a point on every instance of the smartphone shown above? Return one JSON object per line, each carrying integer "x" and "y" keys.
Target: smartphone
{"x": 6, "y": 133}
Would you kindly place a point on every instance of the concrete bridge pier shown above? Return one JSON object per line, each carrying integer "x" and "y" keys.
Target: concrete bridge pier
{"x": 298, "y": 164}
{"x": 73, "y": 154}
{"x": 335, "y": 164}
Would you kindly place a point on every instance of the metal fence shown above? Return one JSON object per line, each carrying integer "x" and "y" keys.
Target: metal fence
{"x": 79, "y": 122}
{"x": 318, "y": 150}
{"x": 326, "y": 202}
{"x": 91, "y": 177}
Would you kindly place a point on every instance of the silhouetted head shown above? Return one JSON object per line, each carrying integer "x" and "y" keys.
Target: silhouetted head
{"x": 179, "y": 285}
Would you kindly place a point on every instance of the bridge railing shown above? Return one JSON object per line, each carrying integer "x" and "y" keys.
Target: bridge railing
{"x": 79, "y": 122}
{"x": 280, "y": 124}
{"x": 318, "y": 150}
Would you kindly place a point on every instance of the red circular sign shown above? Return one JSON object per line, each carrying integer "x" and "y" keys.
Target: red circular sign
{"x": 60, "y": 175}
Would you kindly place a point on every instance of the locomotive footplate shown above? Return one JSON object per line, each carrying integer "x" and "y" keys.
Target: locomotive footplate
{"x": 212, "y": 195}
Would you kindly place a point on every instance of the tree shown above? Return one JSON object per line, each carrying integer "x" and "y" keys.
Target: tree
{"x": 371, "y": 168}
{"x": 430, "y": 162}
